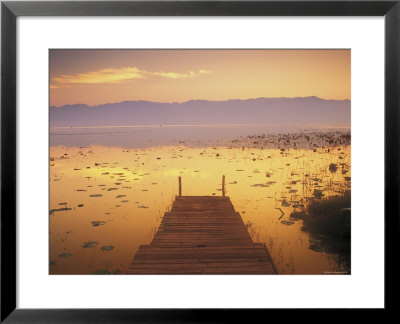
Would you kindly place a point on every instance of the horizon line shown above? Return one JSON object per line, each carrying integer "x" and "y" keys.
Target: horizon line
{"x": 186, "y": 101}
{"x": 201, "y": 125}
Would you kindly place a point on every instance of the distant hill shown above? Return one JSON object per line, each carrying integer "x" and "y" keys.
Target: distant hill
{"x": 249, "y": 111}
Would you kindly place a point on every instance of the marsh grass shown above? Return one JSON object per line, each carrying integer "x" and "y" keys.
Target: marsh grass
{"x": 328, "y": 221}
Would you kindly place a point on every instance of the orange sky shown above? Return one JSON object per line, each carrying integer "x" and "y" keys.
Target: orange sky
{"x": 105, "y": 76}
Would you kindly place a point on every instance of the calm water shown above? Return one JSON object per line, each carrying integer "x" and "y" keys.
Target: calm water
{"x": 109, "y": 188}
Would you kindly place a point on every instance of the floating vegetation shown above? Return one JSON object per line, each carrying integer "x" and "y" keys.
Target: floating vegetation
{"x": 264, "y": 185}
{"x": 333, "y": 167}
{"x": 82, "y": 190}
{"x": 110, "y": 189}
{"x": 298, "y": 215}
{"x": 52, "y": 211}
{"x": 107, "y": 248}
{"x": 65, "y": 255}
{"x": 120, "y": 196}
{"x": 80, "y": 205}
{"x": 142, "y": 206}
{"x": 96, "y": 195}
{"x": 287, "y": 222}
{"x": 98, "y": 223}
{"x": 90, "y": 244}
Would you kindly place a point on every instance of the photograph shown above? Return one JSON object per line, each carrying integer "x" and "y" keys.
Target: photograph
{"x": 199, "y": 161}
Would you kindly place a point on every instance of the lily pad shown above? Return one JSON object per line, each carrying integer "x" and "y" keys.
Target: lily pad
{"x": 90, "y": 244}
{"x": 263, "y": 185}
{"x": 333, "y": 167}
{"x": 65, "y": 255}
{"x": 98, "y": 223}
{"x": 107, "y": 248}
{"x": 286, "y": 222}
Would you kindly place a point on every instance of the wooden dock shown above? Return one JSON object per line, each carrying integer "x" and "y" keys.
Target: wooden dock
{"x": 202, "y": 235}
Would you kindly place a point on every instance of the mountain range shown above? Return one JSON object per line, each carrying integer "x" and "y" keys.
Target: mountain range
{"x": 203, "y": 112}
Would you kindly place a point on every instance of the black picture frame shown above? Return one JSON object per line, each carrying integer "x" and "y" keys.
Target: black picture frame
{"x": 10, "y": 10}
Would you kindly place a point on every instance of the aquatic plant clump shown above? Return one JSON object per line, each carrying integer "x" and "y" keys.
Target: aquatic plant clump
{"x": 107, "y": 248}
{"x": 328, "y": 222}
{"x": 65, "y": 255}
{"x": 90, "y": 244}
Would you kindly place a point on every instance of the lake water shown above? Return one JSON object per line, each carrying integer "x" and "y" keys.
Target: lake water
{"x": 109, "y": 187}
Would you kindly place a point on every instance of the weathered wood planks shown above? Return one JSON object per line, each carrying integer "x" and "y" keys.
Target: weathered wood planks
{"x": 202, "y": 235}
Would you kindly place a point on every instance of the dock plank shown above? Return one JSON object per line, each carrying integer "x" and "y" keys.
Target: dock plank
{"x": 202, "y": 235}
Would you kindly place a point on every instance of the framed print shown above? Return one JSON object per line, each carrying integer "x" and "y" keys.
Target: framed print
{"x": 192, "y": 155}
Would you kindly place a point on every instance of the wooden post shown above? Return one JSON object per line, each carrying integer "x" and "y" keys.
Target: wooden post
{"x": 223, "y": 185}
{"x": 180, "y": 186}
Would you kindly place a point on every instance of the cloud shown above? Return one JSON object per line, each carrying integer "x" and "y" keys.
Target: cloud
{"x": 173, "y": 75}
{"x": 101, "y": 76}
{"x": 119, "y": 75}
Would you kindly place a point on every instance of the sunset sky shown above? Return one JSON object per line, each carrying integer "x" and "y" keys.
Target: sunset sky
{"x": 95, "y": 77}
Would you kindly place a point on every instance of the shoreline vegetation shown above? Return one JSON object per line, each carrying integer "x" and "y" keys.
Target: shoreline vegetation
{"x": 328, "y": 222}
{"x": 297, "y": 140}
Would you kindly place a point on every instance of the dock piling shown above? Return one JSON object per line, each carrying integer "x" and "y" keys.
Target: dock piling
{"x": 180, "y": 186}
{"x": 223, "y": 185}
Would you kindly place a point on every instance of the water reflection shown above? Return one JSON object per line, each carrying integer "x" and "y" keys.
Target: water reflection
{"x": 106, "y": 200}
